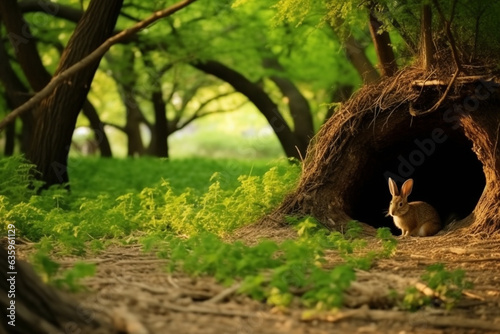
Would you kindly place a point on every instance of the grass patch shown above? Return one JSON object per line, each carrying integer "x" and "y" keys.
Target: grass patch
{"x": 115, "y": 199}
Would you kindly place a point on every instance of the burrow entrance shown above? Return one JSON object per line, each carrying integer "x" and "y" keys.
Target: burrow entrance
{"x": 446, "y": 172}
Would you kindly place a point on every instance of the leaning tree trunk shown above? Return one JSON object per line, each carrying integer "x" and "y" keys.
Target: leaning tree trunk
{"x": 452, "y": 154}
{"x": 57, "y": 114}
{"x": 259, "y": 98}
{"x": 300, "y": 111}
{"x": 383, "y": 46}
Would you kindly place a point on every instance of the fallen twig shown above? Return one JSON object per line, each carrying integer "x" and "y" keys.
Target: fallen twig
{"x": 416, "y": 319}
{"x": 223, "y": 294}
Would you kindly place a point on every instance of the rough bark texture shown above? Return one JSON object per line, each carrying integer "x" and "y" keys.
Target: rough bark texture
{"x": 57, "y": 113}
{"x": 452, "y": 154}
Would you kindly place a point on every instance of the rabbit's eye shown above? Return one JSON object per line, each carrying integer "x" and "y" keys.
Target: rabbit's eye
{"x": 400, "y": 203}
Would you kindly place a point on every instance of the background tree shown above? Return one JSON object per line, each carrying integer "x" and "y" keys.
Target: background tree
{"x": 235, "y": 45}
{"x": 57, "y": 114}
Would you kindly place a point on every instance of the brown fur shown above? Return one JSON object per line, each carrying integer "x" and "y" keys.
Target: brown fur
{"x": 414, "y": 218}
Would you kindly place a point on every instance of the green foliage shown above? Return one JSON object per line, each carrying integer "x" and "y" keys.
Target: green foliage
{"x": 388, "y": 241}
{"x": 447, "y": 284}
{"x": 185, "y": 225}
{"x": 127, "y": 197}
{"x": 18, "y": 182}
{"x": 69, "y": 279}
{"x": 272, "y": 272}
{"x": 447, "y": 287}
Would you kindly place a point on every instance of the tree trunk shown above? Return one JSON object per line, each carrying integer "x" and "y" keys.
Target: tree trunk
{"x": 383, "y": 48}
{"x": 17, "y": 94}
{"x": 134, "y": 117}
{"x": 24, "y": 45}
{"x": 356, "y": 55}
{"x": 259, "y": 98}
{"x": 10, "y": 139}
{"x": 159, "y": 134}
{"x": 58, "y": 113}
{"x": 450, "y": 153}
{"x": 98, "y": 127}
{"x": 37, "y": 307}
{"x": 426, "y": 42}
{"x": 298, "y": 105}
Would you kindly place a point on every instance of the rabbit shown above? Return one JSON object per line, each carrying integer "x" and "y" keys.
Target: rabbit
{"x": 414, "y": 218}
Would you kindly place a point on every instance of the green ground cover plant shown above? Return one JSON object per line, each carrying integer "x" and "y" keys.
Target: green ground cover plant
{"x": 447, "y": 287}
{"x": 116, "y": 199}
{"x": 182, "y": 210}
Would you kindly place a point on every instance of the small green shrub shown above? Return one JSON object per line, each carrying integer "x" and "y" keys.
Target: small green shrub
{"x": 448, "y": 287}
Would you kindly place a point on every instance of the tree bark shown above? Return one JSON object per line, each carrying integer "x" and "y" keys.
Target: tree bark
{"x": 356, "y": 55}
{"x": 160, "y": 129}
{"x": 98, "y": 127}
{"x": 58, "y": 112}
{"x": 159, "y": 135}
{"x": 17, "y": 94}
{"x": 10, "y": 139}
{"x": 298, "y": 105}
{"x": 55, "y": 9}
{"x": 259, "y": 98}
{"x": 24, "y": 45}
{"x": 135, "y": 145}
{"x": 427, "y": 45}
{"x": 383, "y": 48}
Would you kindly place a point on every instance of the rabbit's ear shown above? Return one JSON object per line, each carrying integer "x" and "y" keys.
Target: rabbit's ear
{"x": 393, "y": 188}
{"x": 406, "y": 188}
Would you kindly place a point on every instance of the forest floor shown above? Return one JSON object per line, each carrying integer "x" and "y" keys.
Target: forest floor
{"x": 134, "y": 293}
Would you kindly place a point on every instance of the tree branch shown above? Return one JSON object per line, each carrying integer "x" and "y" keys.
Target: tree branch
{"x": 92, "y": 57}
{"x": 451, "y": 39}
{"x": 208, "y": 113}
{"x": 116, "y": 126}
{"x": 197, "y": 114}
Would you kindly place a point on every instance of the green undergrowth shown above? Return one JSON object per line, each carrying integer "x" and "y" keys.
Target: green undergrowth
{"x": 182, "y": 210}
{"x": 447, "y": 287}
{"x": 152, "y": 200}
{"x": 279, "y": 273}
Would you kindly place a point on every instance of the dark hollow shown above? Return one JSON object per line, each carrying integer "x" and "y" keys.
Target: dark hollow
{"x": 445, "y": 170}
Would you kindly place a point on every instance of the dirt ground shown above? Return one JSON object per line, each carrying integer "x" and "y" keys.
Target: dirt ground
{"x": 133, "y": 293}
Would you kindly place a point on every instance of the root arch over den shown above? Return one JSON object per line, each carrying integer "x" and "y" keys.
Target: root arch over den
{"x": 395, "y": 129}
